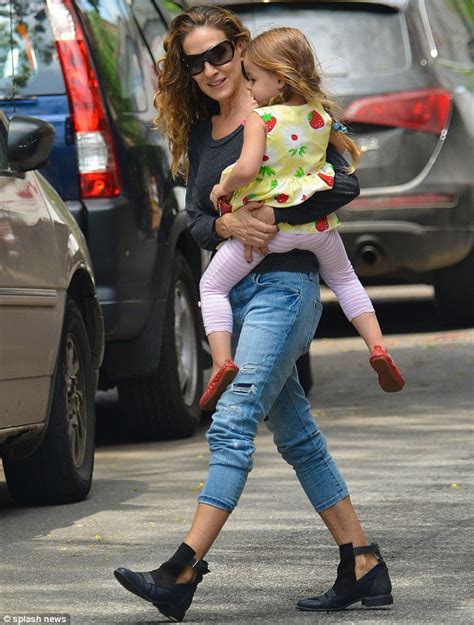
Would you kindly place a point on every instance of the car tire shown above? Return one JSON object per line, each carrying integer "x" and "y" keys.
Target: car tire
{"x": 454, "y": 293}
{"x": 166, "y": 403}
{"x": 60, "y": 469}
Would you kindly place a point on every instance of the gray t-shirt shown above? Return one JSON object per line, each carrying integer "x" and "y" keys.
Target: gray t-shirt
{"x": 208, "y": 157}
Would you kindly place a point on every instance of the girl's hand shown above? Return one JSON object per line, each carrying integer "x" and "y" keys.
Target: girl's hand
{"x": 217, "y": 193}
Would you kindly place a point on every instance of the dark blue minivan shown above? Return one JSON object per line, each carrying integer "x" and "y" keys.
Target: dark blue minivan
{"x": 88, "y": 68}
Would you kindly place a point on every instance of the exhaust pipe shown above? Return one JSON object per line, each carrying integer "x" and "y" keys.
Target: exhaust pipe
{"x": 369, "y": 255}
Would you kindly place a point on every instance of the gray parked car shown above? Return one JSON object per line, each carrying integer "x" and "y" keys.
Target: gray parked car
{"x": 51, "y": 328}
{"x": 404, "y": 75}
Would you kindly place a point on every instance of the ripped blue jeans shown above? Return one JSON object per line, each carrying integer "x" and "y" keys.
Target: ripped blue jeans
{"x": 275, "y": 318}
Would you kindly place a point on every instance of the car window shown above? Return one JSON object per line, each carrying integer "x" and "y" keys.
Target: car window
{"x": 29, "y": 64}
{"x": 151, "y": 25}
{"x": 349, "y": 42}
{"x": 452, "y": 26}
{"x": 113, "y": 38}
{"x": 173, "y": 8}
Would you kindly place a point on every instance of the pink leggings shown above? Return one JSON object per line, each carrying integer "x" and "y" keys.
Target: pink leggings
{"x": 229, "y": 266}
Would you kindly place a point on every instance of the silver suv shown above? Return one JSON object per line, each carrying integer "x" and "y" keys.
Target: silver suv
{"x": 51, "y": 328}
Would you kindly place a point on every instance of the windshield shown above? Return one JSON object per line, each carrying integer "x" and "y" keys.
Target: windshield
{"x": 349, "y": 42}
{"x": 29, "y": 64}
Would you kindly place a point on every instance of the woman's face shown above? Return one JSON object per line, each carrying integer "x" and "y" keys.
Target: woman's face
{"x": 217, "y": 82}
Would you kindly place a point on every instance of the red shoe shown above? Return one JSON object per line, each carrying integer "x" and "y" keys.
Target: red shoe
{"x": 217, "y": 385}
{"x": 390, "y": 378}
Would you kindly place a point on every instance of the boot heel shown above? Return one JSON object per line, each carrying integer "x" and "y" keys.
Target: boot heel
{"x": 174, "y": 615}
{"x": 372, "y": 602}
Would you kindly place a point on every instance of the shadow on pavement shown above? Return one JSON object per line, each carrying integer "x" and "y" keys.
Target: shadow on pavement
{"x": 412, "y": 311}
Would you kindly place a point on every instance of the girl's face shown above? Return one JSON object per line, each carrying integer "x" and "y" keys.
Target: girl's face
{"x": 219, "y": 82}
{"x": 263, "y": 85}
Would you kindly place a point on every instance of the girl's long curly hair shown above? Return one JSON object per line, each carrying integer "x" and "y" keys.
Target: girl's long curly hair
{"x": 179, "y": 101}
{"x": 287, "y": 53}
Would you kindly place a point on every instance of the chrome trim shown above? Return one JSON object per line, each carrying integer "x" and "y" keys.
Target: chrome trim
{"x": 408, "y": 186}
{"x": 429, "y": 33}
{"x": 28, "y": 297}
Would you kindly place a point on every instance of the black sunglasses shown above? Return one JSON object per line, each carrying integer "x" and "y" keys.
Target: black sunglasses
{"x": 219, "y": 54}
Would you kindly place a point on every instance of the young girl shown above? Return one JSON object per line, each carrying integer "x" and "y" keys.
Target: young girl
{"x": 281, "y": 164}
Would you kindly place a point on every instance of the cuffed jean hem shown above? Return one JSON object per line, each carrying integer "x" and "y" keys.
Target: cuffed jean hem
{"x": 332, "y": 502}
{"x": 215, "y": 503}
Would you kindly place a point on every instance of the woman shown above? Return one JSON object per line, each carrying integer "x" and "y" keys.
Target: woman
{"x": 202, "y": 100}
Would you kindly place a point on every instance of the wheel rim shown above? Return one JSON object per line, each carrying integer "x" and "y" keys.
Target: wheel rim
{"x": 75, "y": 401}
{"x": 185, "y": 343}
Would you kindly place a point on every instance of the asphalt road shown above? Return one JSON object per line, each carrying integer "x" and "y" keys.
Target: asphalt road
{"x": 405, "y": 456}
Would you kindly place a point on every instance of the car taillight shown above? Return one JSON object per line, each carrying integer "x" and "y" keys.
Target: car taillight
{"x": 97, "y": 163}
{"x": 426, "y": 110}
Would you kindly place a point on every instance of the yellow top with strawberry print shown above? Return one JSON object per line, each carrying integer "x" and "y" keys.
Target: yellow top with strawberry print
{"x": 294, "y": 164}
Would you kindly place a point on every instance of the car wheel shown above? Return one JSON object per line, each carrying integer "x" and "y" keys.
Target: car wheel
{"x": 60, "y": 469}
{"x": 454, "y": 292}
{"x": 166, "y": 403}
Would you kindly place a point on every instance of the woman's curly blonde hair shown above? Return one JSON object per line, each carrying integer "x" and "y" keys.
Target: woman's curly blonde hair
{"x": 179, "y": 101}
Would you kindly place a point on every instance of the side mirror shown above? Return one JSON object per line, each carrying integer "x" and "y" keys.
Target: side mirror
{"x": 29, "y": 142}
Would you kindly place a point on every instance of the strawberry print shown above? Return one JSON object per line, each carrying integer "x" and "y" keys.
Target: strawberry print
{"x": 315, "y": 120}
{"x": 329, "y": 180}
{"x": 322, "y": 225}
{"x": 269, "y": 120}
{"x": 296, "y": 142}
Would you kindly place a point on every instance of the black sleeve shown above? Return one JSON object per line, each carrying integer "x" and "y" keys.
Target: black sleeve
{"x": 200, "y": 222}
{"x": 346, "y": 188}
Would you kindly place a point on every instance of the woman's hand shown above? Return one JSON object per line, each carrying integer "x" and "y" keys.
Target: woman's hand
{"x": 249, "y": 250}
{"x": 264, "y": 213}
{"x": 218, "y": 192}
{"x": 243, "y": 225}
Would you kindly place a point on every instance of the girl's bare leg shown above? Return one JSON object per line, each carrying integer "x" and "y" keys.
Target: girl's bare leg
{"x": 368, "y": 327}
{"x": 220, "y": 344}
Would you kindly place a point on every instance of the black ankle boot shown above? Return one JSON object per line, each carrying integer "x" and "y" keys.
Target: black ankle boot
{"x": 159, "y": 586}
{"x": 374, "y": 589}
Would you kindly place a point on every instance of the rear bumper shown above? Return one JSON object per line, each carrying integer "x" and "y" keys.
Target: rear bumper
{"x": 398, "y": 249}
{"x": 402, "y": 243}
{"x": 132, "y": 268}
{"x": 137, "y": 357}
{"x": 125, "y": 260}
